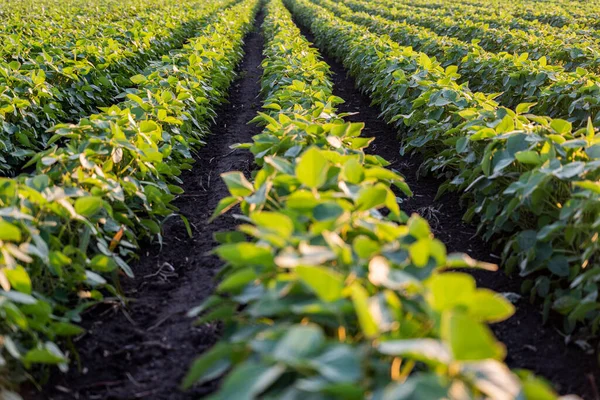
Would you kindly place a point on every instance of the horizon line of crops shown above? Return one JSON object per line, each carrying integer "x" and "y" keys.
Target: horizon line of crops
{"x": 584, "y": 16}
{"x": 70, "y": 226}
{"x": 322, "y": 296}
{"x": 482, "y": 18}
{"x": 531, "y": 180}
{"x": 571, "y": 54}
{"x": 554, "y": 92}
{"x": 55, "y": 84}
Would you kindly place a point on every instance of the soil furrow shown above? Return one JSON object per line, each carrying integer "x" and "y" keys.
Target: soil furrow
{"x": 530, "y": 344}
{"x": 144, "y": 351}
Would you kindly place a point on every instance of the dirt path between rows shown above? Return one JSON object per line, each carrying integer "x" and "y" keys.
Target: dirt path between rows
{"x": 144, "y": 351}
{"x": 530, "y": 344}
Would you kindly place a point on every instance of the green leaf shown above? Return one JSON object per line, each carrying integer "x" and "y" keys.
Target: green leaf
{"x": 299, "y": 342}
{"x": 210, "y": 365}
{"x": 312, "y": 168}
{"x": 9, "y": 232}
{"x": 528, "y": 157}
{"x": 489, "y": 306}
{"x": 353, "y": 171}
{"x": 360, "y": 299}
{"x": 524, "y": 108}
{"x": 18, "y": 297}
{"x": 152, "y": 225}
{"x": 275, "y": 222}
{"x": 454, "y": 290}
{"x": 419, "y": 252}
{"x": 19, "y": 279}
{"x": 327, "y": 284}
{"x": 561, "y": 126}
{"x": 364, "y": 246}
{"x": 588, "y": 185}
{"x": 137, "y": 79}
{"x": 506, "y": 125}
{"x": 245, "y": 254}
{"x": 247, "y": 381}
{"x": 570, "y": 170}
{"x": 371, "y": 197}
{"x": 224, "y": 205}
{"x": 535, "y": 388}
{"x": 418, "y": 227}
{"x": 237, "y": 280}
{"x": 88, "y": 205}
{"x": 469, "y": 339}
{"x": 43, "y": 356}
{"x": 237, "y": 184}
{"x": 66, "y": 329}
{"x": 339, "y": 363}
{"x": 419, "y": 386}
{"x": 327, "y": 211}
{"x": 449, "y": 289}
{"x": 559, "y": 265}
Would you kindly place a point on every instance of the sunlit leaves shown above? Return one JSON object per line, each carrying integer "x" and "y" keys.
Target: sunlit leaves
{"x": 450, "y": 291}
{"x": 9, "y": 231}
{"x": 468, "y": 339}
{"x": 237, "y": 184}
{"x": 74, "y": 218}
{"x": 88, "y": 206}
{"x": 518, "y": 171}
{"x": 312, "y": 168}
{"x": 342, "y": 297}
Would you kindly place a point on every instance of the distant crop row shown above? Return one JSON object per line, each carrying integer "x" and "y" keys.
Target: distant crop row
{"x": 529, "y": 179}
{"x": 570, "y": 49}
{"x": 515, "y": 77}
{"x": 561, "y": 14}
{"x": 55, "y": 70}
{"x": 74, "y": 222}
{"x": 321, "y": 294}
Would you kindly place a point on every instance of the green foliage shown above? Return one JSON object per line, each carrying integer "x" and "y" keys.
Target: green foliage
{"x": 75, "y": 220}
{"x": 332, "y": 293}
{"x": 74, "y": 58}
{"x": 517, "y": 78}
{"x": 530, "y": 180}
{"x": 569, "y": 47}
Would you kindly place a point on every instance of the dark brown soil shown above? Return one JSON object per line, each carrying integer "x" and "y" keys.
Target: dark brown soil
{"x": 144, "y": 351}
{"x": 530, "y": 344}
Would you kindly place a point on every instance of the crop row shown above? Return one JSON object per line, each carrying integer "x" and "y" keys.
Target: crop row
{"x": 322, "y": 295}
{"x": 550, "y": 89}
{"x": 572, "y": 52}
{"x": 75, "y": 221}
{"x": 31, "y": 26}
{"x": 498, "y": 17}
{"x": 52, "y": 83}
{"x": 531, "y": 180}
{"x": 561, "y": 14}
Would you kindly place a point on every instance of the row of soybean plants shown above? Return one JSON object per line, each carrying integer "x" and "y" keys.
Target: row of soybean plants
{"x": 500, "y": 17}
{"x": 44, "y": 82}
{"x": 323, "y": 295}
{"x": 515, "y": 78}
{"x": 531, "y": 180}
{"x": 28, "y": 25}
{"x": 68, "y": 228}
{"x": 558, "y": 94}
{"x": 572, "y": 50}
{"x": 500, "y": 20}
{"x": 561, "y": 14}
